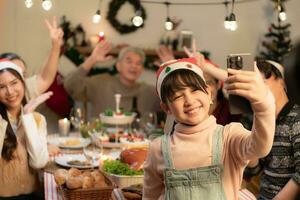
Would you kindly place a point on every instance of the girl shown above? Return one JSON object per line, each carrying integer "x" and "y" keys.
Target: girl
{"x": 201, "y": 159}
{"x": 23, "y": 145}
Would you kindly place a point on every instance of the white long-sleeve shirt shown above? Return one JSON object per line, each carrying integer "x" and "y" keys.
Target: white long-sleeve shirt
{"x": 18, "y": 176}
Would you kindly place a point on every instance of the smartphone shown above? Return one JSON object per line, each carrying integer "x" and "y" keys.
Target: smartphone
{"x": 242, "y": 61}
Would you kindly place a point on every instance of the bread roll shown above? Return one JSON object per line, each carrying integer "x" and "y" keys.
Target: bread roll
{"x": 74, "y": 182}
{"x": 60, "y": 176}
{"x": 74, "y": 172}
{"x": 88, "y": 182}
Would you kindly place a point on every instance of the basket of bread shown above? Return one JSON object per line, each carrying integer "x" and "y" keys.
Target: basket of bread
{"x": 127, "y": 170}
{"x": 88, "y": 184}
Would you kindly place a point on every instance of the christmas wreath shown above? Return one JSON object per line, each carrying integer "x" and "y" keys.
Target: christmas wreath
{"x": 114, "y": 7}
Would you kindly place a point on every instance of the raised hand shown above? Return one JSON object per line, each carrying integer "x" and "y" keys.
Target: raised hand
{"x": 100, "y": 52}
{"x": 55, "y": 32}
{"x": 34, "y": 103}
{"x": 248, "y": 84}
{"x": 164, "y": 53}
{"x": 195, "y": 54}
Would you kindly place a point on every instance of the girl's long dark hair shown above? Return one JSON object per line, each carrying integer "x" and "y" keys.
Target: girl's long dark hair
{"x": 10, "y": 141}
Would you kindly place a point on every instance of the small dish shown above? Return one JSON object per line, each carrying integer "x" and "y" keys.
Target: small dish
{"x": 75, "y": 160}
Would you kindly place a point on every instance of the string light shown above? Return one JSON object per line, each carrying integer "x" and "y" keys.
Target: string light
{"x": 168, "y": 24}
{"x": 226, "y": 21}
{"x": 97, "y": 15}
{"x": 28, "y": 3}
{"x": 138, "y": 20}
{"x": 281, "y": 11}
{"x": 232, "y": 22}
{"x": 47, "y": 4}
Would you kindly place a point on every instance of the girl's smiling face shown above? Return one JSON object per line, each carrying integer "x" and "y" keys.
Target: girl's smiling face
{"x": 189, "y": 106}
{"x": 11, "y": 90}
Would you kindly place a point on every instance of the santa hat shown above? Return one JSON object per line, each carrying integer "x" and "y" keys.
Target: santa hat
{"x": 166, "y": 68}
{"x": 6, "y": 64}
{"x": 277, "y": 66}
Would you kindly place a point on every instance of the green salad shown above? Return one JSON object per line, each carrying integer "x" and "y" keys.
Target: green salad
{"x": 118, "y": 168}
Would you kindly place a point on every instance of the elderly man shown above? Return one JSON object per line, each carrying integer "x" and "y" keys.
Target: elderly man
{"x": 100, "y": 89}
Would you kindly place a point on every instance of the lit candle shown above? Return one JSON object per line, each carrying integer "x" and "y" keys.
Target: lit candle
{"x": 101, "y": 36}
{"x": 64, "y": 126}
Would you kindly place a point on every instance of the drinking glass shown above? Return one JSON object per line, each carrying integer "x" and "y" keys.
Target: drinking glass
{"x": 76, "y": 117}
{"x": 148, "y": 122}
{"x": 92, "y": 153}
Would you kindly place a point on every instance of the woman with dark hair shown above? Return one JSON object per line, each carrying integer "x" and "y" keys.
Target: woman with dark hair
{"x": 39, "y": 83}
{"x": 23, "y": 145}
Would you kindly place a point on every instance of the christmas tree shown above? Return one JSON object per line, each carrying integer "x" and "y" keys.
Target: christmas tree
{"x": 277, "y": 41}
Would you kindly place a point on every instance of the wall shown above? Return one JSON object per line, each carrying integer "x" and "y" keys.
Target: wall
{"x": 23, "y": 30}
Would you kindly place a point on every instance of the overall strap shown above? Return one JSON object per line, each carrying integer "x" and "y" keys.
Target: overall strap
{"x": 217, "y": 148}
{"x": 165, "y": 146}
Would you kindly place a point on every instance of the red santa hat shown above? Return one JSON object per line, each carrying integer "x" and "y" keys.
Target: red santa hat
{"x": 166, "y": 68}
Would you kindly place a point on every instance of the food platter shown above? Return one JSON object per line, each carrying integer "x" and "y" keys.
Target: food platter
{"x": 117, "y": 119}
{"x": 75, "y": 160}
{"x": 69, "y": 142}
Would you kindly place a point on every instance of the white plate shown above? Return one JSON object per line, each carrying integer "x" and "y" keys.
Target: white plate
{"x": 62, "y": 142}
{"x": 64, "y": 159}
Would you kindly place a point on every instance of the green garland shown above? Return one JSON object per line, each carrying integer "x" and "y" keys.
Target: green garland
{"x": 114, "y": 7}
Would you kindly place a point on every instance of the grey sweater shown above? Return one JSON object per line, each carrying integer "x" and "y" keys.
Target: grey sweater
{"x": 100, "y": 90}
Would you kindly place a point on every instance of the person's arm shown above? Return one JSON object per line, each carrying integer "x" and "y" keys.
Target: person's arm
{"x": 99, "y": 54}
{"x": 153, "y": 184}
{"x": 76, "y": 82}
{"x": 47, "y": 75}
{"x": 3, "y": 125}
{"x": 246, "y": 145}
{"x": 36, "y": 139}
{"x": 291, "y": 191}
{"x": 36, "y": 132}
{"x": 164, "y": 53}
{"x": 218, "y": 73}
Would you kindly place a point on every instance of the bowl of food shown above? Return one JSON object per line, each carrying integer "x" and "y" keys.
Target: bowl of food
{"x": 128, "y": 170}
{"x": 113, "y": 118}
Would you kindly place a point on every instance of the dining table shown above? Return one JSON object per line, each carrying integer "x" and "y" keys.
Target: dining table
{"x": 52, "y": 191}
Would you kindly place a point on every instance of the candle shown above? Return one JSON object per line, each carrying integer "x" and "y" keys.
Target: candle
{"x": 64, "y": 127}
{"x": 118, "y": 99}
{"x": 101, "y": 36}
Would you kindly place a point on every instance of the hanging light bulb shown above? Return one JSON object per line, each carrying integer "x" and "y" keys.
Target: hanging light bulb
{"x": 47, "y": 4}
{"x": 137, "y": 20}
{"x": 168, "y": 24}
{"x": 97, "y": 17}
{"x": 227, "y": 23}
{"x": 282, "y": 14}
{"x": 233, "y": 23}
{"x": 28, "y": 3}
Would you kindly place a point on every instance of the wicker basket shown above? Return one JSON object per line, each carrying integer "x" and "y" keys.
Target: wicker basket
{"x": 104, "y": 193}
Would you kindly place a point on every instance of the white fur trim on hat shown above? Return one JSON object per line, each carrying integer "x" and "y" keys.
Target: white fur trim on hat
{"x": 173, "y": 65}
{"x": 6, "y": 64}
{"x": 277, "y": 66}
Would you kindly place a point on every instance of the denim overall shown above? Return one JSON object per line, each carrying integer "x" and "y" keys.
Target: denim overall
{"x": 195, "y": 183}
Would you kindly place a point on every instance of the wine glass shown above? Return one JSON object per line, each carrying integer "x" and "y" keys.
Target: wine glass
{"x": 148, "y": 122}
{"x": 92, "y": 153}
{"x": 76, "y": 117}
